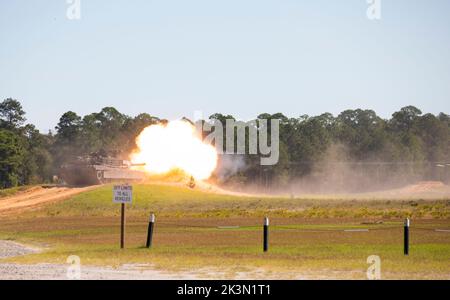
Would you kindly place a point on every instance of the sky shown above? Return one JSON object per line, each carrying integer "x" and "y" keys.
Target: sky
{"x": 242, "y": 57}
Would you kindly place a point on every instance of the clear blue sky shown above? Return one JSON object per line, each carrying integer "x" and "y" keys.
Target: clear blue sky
{"x": 243, "y": 57}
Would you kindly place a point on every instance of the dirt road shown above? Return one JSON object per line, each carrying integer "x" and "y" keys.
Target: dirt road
{"x": 36, "y": 197}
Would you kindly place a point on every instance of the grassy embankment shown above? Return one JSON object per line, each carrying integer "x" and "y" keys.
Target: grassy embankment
{"x": 12, "y": 191}
{"x": 307, "y": 237}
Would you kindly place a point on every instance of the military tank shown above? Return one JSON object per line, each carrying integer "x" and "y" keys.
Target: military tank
{"x": 94, "y": 169}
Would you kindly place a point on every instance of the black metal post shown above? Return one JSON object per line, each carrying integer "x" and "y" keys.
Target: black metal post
{"x": 406, "y": 237}
{"x": 266, "y": 234}
{"x": 151, "y": 224}
{"x": 122, "y": 226}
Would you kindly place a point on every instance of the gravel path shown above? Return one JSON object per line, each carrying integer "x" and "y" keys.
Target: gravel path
{"x": 10, "y": 271}
{"x": 12, "y": 249}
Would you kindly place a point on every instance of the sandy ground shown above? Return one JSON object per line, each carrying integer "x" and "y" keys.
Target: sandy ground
{"x": 36, "y": 197}
{"x": 421, "y": 190}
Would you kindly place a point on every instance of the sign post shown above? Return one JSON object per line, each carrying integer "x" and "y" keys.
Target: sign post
{"x": 122, "y": 194}
{"x": 122, "y": 226}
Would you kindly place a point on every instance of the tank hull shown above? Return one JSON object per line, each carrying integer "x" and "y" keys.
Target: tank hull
{"x": 81, "y": 173}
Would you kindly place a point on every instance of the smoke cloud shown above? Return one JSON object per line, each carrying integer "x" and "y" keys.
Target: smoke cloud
{"x": 229, "y": 165}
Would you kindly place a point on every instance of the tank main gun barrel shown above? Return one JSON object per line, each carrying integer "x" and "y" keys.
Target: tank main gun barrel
{"x": 138, "y": 164}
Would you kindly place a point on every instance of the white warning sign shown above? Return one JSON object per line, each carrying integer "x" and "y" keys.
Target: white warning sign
{"x": 123, "y": 194}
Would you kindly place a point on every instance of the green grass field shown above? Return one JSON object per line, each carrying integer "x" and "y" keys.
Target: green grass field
{"x": 307, "y": 237}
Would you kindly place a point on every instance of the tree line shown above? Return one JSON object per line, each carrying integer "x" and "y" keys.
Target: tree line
{"x": 29, "y": 157}
{"x": 309, "y": 145}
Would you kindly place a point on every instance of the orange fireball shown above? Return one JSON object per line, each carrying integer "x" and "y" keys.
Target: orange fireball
{"x": 175, "y": 146}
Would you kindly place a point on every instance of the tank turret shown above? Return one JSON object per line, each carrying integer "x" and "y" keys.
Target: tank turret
{"x": 94, "y": 169}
